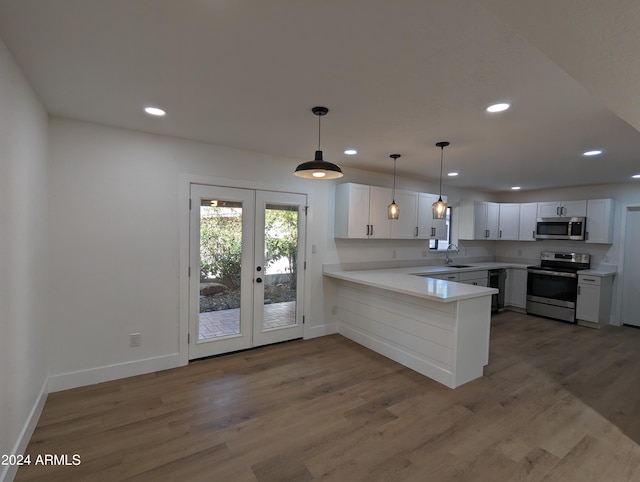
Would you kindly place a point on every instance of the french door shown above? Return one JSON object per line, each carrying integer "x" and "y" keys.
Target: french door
{"x": 247, "y": 268}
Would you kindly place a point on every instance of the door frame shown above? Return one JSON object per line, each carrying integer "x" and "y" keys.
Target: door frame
{"x": 619, "y": 280}
{"x": 186, "y": 180}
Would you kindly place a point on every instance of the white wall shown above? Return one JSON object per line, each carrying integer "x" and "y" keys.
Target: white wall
{"x": 117, "y": 200}
{"x": 23, "y": 259}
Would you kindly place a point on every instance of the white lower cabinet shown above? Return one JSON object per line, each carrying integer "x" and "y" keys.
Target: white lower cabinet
{"x": 516, "y": 288}
{"x": 594, "y": 300}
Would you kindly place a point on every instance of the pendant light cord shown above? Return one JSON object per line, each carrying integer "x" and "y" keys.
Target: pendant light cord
{"x": 319, "y": 117}
{"x": 394, "y": 180}
{"x": 441, "y": 161}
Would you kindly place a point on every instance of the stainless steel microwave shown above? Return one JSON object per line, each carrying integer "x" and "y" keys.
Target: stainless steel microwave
{"x": 561, "y": 228}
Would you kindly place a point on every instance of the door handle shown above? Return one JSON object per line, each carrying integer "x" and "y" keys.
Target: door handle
{"x": 258, "y": 280}
{"x": 259, "y": 268}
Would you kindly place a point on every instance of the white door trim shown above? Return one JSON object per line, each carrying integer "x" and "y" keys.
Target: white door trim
{"x": 624, "y": 219}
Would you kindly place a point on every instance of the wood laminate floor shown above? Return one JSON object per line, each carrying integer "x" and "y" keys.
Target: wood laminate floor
{"x": 558, "y": 402}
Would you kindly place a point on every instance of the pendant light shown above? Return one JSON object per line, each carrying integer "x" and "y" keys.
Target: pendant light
{"x": 394, "y": 209}
{"x": 439, "y": 207}
{"x": 318, "y": 168}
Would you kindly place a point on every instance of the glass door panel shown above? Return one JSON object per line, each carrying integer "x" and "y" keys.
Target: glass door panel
{"x": 221, "y": 250}
{"x": 280, "y": 222}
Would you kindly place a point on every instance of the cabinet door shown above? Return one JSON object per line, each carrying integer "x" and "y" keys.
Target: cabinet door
{"x": 549, "y": 209}
{"x": 509, "y": 221}
{"x": 379, "y": 200}
{"x": 405, "y": 226}
{"x": 425, "y": 215}
{"x": 588, "y": 302}
{"x": 493, "y": 220}
{"x": 351, "y": 211}
{"x": 599, "y": 221}
{"x": 528, "y": 214}
{"x": 516, "y": 288}
{"x": 479, "y": 220}
{"x": 574, "y": 208}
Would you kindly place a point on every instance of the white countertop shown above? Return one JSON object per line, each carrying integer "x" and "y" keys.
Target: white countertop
{"x": 598, "y": 272}
{"x": 412, "y": 281}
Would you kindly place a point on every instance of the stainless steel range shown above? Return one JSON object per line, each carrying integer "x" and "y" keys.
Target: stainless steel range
{"x": 552, "y": 287}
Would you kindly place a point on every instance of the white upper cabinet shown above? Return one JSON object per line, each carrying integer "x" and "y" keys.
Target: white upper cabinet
{"x": 567, "y": 209}
{"x": 528, "y": 215}
{"x": 405, "y": 226}
{"x": 600, "y": 221}
{"x": 429, "y": 228}
{"x": 478, "y": 220}
{"x": 361, "y": 211}
{"x": 509, "y": 222}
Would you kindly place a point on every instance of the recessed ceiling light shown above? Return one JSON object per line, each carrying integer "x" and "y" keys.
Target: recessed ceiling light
{"x": 452, "y": 174}
{"x": 636, "y": 176}
{"x": 516, "y": 188}
{"x": 350, "y": 152}
{"x": 498, "y": 107}
{"x": 595, "y": 152}
{"x": 154, "y": 111}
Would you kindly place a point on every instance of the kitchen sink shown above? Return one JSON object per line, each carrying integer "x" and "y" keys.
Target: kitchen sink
{"x": 459, "y": 266}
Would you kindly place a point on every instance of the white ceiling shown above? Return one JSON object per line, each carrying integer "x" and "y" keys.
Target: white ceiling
{"x": 397, "y": 76}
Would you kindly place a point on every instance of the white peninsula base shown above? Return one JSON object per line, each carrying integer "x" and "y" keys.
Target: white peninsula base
{"x": 445, "y": 338}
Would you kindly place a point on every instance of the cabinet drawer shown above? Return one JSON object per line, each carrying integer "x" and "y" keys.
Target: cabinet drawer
{"x": 473, "y": 275}
{"x": 586, "y": 279}
{"x": 476, "y": 282}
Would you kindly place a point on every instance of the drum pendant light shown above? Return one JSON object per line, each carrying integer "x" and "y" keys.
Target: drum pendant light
{"x": 439, "y": 207}
{"x": 318, "y": 168}
{"x": 394, "y": 209}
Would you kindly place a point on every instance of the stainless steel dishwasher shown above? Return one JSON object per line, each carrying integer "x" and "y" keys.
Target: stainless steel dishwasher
{"x": 496, "y": 280}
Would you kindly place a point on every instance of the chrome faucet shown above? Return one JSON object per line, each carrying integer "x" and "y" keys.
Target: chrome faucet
{"x": 451, "y": 247}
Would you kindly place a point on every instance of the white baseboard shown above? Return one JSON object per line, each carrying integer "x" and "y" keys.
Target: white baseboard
{"x": 9, "y": 472}
{"x": 322, "y": 330}
{"x": 80, "y": 378}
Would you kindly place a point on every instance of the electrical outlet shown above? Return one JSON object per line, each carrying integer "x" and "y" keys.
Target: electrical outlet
{"x": 135, "y": 339}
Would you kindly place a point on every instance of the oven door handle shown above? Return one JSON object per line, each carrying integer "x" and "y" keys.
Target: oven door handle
{"x": 553, "y": 273}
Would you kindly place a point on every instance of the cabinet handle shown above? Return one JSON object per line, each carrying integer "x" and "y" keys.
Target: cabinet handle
{"x": 368, "y": 229}
{"x": 579, "y": 289}
{"x": 416, "y": 231}
{"x": 487, "y": 233}
{"x": 587, "y": 279}
{"x": 533, "y": 234}
{"x": 500, "y": 235}
{"x": 586, "y": 236}
{"x": 433, "y": 231}
{"x": 558, "y": 210}
{"x": 372, "y": 230}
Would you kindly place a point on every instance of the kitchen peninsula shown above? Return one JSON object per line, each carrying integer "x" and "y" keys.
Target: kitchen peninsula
{"x": 436, "y": 327}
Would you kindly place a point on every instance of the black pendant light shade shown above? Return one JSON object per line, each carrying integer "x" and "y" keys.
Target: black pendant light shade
{"x": 439, "y": 207}
{"x": 318, "y": 168}
{"x": 393, "y": 210}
